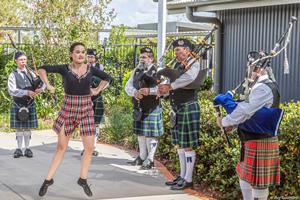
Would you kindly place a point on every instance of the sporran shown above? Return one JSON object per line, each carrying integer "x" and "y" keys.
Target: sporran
{"x": 137, "y": 114}
{"x": 173, "y": 120}
{"x": 23, "y": 114}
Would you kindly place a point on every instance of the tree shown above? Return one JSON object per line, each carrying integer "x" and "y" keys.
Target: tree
{"x": 13, "y": 13}
{"x": 62, "y": 22}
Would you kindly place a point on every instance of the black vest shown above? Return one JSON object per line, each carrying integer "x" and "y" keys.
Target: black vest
{"x": 24, "y": 84}
{"x": 147, "y": 102}
{"x": 180, "y": 95}
{"x": 247, "y": 135}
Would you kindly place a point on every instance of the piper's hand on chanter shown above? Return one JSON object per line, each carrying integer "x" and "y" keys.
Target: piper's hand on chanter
{"x": 219, "y": 122}
{"x": 162, "y": 89}
{"x": 51, "y": 88}
{"x": 144, "y": 91}
{"x": 38, "y": 91}
{"x": 31, "y": 94}
{"x": 93, "y": 92}
{"x": 138, "y": 95}
{"x": 228, "y": 129}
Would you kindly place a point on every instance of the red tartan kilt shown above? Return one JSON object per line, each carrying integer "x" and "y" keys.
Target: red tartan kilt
{"x": 261, "y": 165}
{"x": 75, "y": 110}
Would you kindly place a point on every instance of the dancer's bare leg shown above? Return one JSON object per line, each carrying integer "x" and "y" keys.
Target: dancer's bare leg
{"x": 88, "y": 144}
{"x": 61, "y": 148}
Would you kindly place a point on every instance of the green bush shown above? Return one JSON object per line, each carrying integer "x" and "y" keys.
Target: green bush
{"x": 289, "y": 144}
{"x": 119, "y": 127}
{"x": 208, "y": 83}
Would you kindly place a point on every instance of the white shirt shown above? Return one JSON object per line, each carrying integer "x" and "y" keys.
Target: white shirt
{"x": 130, "y": 90}
{"x": 188, "y": 77}
{"x": 12, "y": 84}
{"x": 261, "y": 96}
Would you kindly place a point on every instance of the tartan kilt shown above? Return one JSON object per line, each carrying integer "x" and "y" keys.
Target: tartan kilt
{"x": 261, "y": 165}
{"x": 15, "y": 123}
{"x": 75, "y": 110}
{"x": 186, "y": 132}
{"x": 98, "y": 108}
{"x": 151, "y": 123}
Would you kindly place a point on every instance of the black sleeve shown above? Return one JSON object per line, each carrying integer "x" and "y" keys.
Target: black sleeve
{"x": 100, "y": 74}
{"x": 60, "y": 69}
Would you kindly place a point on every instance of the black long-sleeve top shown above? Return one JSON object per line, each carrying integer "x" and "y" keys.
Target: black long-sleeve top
{"x": 73, "y": 84}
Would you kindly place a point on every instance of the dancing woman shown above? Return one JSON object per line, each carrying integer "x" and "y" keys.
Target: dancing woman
{"x": 76, "y": 109}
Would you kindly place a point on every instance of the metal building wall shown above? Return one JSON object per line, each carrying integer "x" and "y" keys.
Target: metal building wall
{"x": 259, "y": 29}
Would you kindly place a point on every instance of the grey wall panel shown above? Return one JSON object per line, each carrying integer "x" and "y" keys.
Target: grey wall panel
{"x": 259, "y": 29}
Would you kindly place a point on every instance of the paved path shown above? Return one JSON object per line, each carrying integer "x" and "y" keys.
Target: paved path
{"x": 21, "y": 178}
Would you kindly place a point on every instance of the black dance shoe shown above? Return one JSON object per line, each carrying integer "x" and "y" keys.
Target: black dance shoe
{"x": 182, "y": 186}
{"x": 18, "y": 153}
{"x": 44, "y": 187}
{"x": 82, "y": 152}
{"x": 95, "y": 153}
{"x": 85, "y": 187}
{"x": 174, "y": 181}
{"x": 147, "y": 164}
{"x": 28, "y": 153}
{"x": 137, "y": 161}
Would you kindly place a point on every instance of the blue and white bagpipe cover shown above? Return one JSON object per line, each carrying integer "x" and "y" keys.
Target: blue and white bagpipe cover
{"x": 265, "y": 120}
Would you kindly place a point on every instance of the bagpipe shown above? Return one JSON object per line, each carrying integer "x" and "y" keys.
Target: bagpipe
{"x": 148, "y": 79}
{"x": 265, "y": 120}
{"x": 36, "y": 81}
{"x": 102, "y": 49}
{"x": 196, "y": 54}
{"x": 95, "y": 80}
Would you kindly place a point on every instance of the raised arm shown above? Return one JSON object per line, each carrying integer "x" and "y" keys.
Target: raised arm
{"x": 43, "y": 76}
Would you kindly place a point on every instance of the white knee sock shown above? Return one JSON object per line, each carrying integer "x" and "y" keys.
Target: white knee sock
{"x": 19, "y": 138}
{"x": 246, "y": 190}
{"x": 182, "y": 162}
{"x": 27, "y": 137}
{"x": 148, "y": 146}
{"x": 190, "y": 162}
{"x": 143, "y": 147}
{"x": 152, "y": 141}
{"x": 96, "y": 137}
{"x": 260, "y": 194}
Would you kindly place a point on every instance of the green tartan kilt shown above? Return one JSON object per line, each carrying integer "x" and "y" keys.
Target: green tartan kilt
{"x": 15, "y": 123}
{"x": 186, "y": 132}
{"x": 98, "y": 108}
{"x": 151, "y": 123}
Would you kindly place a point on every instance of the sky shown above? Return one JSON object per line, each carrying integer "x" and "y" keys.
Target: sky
{"x": 133, "y": 12}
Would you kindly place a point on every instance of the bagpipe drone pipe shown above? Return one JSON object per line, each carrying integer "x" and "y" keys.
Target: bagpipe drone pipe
{"x": 148, "y": 79}
{"x": 196, "y": 54}
{"x": 265, "y": 120}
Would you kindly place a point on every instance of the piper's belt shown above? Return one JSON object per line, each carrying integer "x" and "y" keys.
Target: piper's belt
{"x": 247, "y": 136}
{"x": 23, "y": 100}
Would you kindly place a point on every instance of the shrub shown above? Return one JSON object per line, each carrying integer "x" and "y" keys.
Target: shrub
{"x": 119, "y": 128}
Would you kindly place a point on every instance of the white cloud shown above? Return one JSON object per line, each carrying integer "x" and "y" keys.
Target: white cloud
{"x": 133, "y": 12}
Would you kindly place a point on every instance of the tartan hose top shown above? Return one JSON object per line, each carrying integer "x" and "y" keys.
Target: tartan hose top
{"x": 73, "y": 84}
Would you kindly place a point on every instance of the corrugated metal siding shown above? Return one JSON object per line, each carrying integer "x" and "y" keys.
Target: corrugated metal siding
{"x": 259, "y": 29}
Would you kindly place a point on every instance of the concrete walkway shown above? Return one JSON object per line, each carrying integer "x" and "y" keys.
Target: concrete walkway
{"x": 21, "y": 178}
